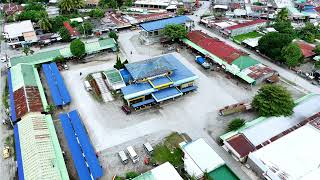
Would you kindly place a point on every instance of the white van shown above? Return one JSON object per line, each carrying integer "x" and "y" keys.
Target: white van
{"x": 149, "y": 149}
{"x": 133, "y": 155}
{"x": 123, "y": 157}
{"x": 87, "y": 86}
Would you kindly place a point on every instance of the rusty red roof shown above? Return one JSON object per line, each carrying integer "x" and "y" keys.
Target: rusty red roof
{"x": 307, "y": 49}
{"x": 27, "y": 99}
{"x": 241, "y": 145}
{"x": 12, "y": 8}
{"x": 72, "y": 31}
{"x": 249, "y": 23}
{"x": 215, "y": 46}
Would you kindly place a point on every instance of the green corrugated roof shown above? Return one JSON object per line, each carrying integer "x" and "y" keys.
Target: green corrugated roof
{"x": 22, "y": 75}
{"x": 40, "y": 88}
{"x": 145, "y": 176}
{"x": 47, "y": 56}
{"x": 223, "y": 173}
{"x": 35, "y": 58}
{"x": 244, "y": 62}
{"x": 114, "y": 76}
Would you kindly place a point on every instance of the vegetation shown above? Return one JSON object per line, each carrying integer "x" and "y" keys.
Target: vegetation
{"x": 60, "y": 59}
{"x": 273, "y": 100}
{"x": 114, "y": 4}
{"x": 85, "y": 28}
{"x": 272, "y": 44}
{"x": 6, "y": 95}
{"x": 309, "y": 33}
{"x": 284, "y": 27}
{"x": 50, "y": 108}
{"x": 45, "y": 24}
{"x": 317, "y": 49}
{"x": 64, "y": 34}
{"x": 292, "y": 55}
{"x": 77, "y": 48}
{"x": 131, "y": 175}
{"x": 27, "y": 51}
{"x": 113, "y": 35}
{"x": 33, "y": 12}
{"x": 243, "y": 37}
{"x": 317, "y": 64}
{"x": 57, "y": 22}
{"x": 283, "y": 15}
{"x": 175, "y": 31}
{"x": 68, "y": 6}
{"x": 180, "y": 11}
{"x": 235, "y": 124}
{"x": 96, "y": 13}
{"x": 119, "y": 64}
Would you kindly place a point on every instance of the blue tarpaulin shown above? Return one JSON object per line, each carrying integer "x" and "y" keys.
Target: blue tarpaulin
{"x": 165, "y": 94}
{"x": 11, "y": 97}
{"x": 58, "y": 89}
{"x": 160, "y": 24}
{"x": 74, "y": 147}
{"x": 18, "y": 152}
{"x": 86, "y": 146}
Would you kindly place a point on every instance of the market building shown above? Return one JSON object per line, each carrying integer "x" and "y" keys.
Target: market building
{"x": 151, "y": 31}
{"x": 244, "y": 27}
{"x": 163, "y": 172}
{"x": 156, "y": 80}
{"x": 169, "y": 5}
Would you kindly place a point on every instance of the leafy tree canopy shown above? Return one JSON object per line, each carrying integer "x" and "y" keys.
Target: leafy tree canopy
{"x": 273, "y": 100}
{"x": 77, "y": 48}
{"x": 85, "y": 28}
{"x": 292, "y": 55}
{"x": 317, "y": 49}
{"x": 236, "y": 124}
{"x": 272, "y": 43}
{"x": 57, "y": 22}
{"x": 64, "y": 34}
{"x": 309, "y": 32}
{"x": 284, "y": 27}
{"x": 113, "y": 35}
{"x": 96, "y": 13}
{"x": 175, "y": 31}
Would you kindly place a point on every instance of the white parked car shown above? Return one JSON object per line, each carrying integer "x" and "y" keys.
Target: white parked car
{"x": 65, "y": 66}
{"x": 3, "y": 59}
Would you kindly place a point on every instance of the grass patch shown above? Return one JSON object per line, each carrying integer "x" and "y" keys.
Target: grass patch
{"x": 169, "y": 150}
{"x": 162, "y": 154}
{"x": 243, "y": 37}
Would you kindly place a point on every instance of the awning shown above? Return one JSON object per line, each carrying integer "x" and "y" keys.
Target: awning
{"x": 143, "y": 103}
{"x": 187, "y": 89}
{"x": 165, "y": 94}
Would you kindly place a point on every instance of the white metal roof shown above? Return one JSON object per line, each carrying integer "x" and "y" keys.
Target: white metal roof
{"x": 220, "y": 7}
{"x": 274, "y": 125}
{"x": 17, "y": 29}
{"x": 165, "y": 171}
{"x": 295, "y": 155}
{"x": 223, "y": 25}
{"x": 252, "y": 42}
{"x": 131, "y": 151}
{"x": 202, "y": 155}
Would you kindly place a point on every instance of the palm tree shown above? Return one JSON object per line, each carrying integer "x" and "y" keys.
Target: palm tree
{"x": 66, "y": 5}
{"x": 78, "y": 4}
{"x": 45, "y": 24}
{"x": 282, "y": 15}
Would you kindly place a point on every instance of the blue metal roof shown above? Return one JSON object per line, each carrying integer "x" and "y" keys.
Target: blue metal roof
{"x": 150, "y": 67}
{"x": 18, "y": 152}
{"x": 134, "y": 88}
{"x": 187, "y": 89}
{"x": 11, "y": 97}
{"x": 86, "y": 146}
{"x": 160, "y": 24}
{"x": 181, "y": 71}
{"x": 125, "y": 75}
{"x": 160, "y": 80}
{"x": 76, "y": 153}
{"x": 165, "y": 94}
{"x": 58, "y": 89}
{"x": 148, "y": 101}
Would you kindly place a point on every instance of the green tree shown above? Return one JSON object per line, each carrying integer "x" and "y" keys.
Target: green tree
{"x": 27, "y": 50}
{"x": 128, "y": 3}
{"x": 118, "y": 64}
{"x": 113, "y": 35}
{"x": 34, "y": 6}
{"x": 66, "y": 5}
{"x": 96, "y": 13}
{"x": 180, "y": 11}
{"x": 317, "y": 64}
{"x": 50, "y": 108}
{"x": 317, "y": 49}
{"x": 309, "y": 32}
{"x": 85, "y": 28}
{"x": 64, "y": 34}
{"x": 236, "y": 124}
{"x": 32, "y": 15}
{"x": 272, "y": 43}
{"x": 45, "y": 24}
{"x": 57, "y": 22}
{"x": 283, "y": 15}
{"x": 292, "y": 55}
{"x": 59, "y": 59}
{"x": 175, "y": 31}
{"x": 77, "y": 48}
{"x": 284, "y": 27}
{"x": 131, "y": 175}
{"x": 273, "y": 100}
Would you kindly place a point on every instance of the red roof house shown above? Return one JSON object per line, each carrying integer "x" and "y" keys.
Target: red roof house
{"x": 307, "y": 49}
{"x": 12, "y": 8}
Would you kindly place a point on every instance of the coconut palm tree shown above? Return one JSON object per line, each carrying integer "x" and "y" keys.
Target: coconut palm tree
{"x": 79, "y": 4}
{"x": 66, "y": 5}
{"x": 45, "y": 24}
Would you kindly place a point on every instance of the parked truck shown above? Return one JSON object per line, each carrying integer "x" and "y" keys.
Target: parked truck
{"x": 200, "y": 60}
{"x": 235, "y": 108}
